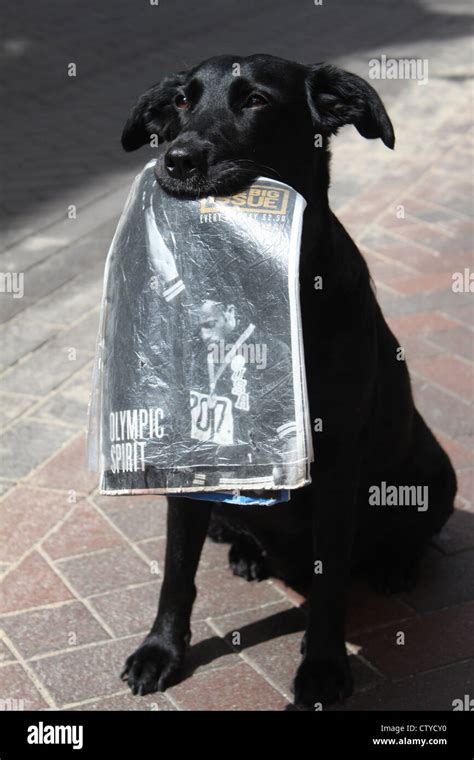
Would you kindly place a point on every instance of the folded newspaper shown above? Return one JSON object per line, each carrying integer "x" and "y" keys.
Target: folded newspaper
{"x": 199, "y": 383}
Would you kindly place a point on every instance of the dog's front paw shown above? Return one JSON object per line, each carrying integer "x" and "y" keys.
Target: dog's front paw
{"x": 152, "y": 667}
{"x": 322, "y": 681}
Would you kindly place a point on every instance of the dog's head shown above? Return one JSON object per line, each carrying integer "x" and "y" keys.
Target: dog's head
{"x": 231, "y": 119}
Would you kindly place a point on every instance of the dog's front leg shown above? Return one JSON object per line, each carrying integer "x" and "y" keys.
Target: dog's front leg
{"x": 324, "y": 674}
{"x": 158, "y": 660}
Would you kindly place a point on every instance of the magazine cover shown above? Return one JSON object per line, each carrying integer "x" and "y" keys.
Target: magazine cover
{"x": 199, "y": 382}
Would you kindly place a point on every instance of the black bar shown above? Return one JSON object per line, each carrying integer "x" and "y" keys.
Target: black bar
{"x": 311, "y": 734}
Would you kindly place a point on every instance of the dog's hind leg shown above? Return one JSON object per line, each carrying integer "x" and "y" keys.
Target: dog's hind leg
{"x": 247, "y": 559}
{"x": 396, "y": 571}
{"x": 157, "y": 662}
{"x": 220, "y": 530}
{"x": 410, "y": 528}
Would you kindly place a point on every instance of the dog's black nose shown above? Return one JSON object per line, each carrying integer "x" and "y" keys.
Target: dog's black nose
{"x": 183, "y": 161}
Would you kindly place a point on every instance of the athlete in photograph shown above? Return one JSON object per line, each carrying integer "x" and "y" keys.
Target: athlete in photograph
{"x": 241, "y": 400}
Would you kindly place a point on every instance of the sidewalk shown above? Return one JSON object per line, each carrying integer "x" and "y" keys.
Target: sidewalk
{"x": 81, "y": 572}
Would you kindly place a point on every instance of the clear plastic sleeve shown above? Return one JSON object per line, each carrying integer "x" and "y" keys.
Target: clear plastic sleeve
{"x": 199, "y": 382}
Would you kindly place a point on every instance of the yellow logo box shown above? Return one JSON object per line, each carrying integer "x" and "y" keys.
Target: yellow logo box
{"x": 259, "y": 199}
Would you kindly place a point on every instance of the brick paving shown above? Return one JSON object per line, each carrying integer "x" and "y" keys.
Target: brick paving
{"x": 81, "y": 572}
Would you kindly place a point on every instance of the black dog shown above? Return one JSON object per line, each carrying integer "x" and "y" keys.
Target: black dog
{"x": 222, "y": 124}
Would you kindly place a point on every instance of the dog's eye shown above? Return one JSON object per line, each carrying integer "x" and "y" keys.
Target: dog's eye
{"x": 182, "y": 102}
{"x": 255, "y": 101}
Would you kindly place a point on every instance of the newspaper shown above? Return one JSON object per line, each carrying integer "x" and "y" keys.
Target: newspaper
{"x": 199, "y": 382}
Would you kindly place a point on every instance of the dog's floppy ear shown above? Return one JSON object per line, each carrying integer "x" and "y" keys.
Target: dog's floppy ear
{"x": 150, "y": 114}
{"x": 337, "y": 97}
